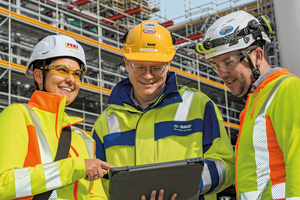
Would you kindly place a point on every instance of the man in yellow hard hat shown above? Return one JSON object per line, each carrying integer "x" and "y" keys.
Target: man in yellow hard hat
{"x": 150, "y": 119}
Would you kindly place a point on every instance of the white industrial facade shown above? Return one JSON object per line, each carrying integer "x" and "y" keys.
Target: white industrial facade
{"x": 98, "y": 27}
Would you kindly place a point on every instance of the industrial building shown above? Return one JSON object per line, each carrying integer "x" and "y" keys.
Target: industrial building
{"x": 98, "y": 25}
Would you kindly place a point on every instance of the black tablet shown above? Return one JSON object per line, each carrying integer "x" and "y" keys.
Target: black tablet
{"x": 182, "y": 177}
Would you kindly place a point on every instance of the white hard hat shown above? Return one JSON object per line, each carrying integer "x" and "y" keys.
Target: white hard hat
{"x": 234, "y": 31}
{"x": 55, "y": 46}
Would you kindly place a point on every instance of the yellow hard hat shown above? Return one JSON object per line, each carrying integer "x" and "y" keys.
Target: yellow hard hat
{"x": 149, "y": 41}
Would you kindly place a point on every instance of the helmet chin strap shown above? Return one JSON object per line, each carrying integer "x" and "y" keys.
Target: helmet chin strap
{"x": 255, "y": 72}
{"x": 44, "y": 76}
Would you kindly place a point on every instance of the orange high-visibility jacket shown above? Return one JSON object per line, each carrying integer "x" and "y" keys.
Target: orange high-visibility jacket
{"x": 267, "y": 151}
{"x": 29, "y": 135}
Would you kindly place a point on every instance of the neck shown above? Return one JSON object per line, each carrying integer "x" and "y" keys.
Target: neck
{"x": 264, "y": 67}
{"x": 144, "y": 101}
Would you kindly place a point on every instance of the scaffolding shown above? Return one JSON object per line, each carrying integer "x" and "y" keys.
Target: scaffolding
{"x": 198, "y": 19}
{"x": 98, "y": 27}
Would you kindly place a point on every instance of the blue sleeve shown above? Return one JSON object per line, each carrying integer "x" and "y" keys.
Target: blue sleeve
{"x": 218, "y": 172}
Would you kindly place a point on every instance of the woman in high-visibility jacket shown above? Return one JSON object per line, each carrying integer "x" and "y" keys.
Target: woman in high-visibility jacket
{"x": 267, "y": 150}
{"x": 150, "y": 119}
{"x": 30, "y": 133}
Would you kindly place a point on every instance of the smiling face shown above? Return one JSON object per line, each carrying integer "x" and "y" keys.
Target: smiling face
{"x": 146, "y": 86}
{"x": 58, "y": 85}
{"x": 240, "y": 78}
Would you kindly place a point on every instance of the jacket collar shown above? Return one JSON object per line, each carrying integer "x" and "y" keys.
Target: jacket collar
{"x": 53, "y": 103}
{"x": 47, "y": 101}
{"x": 121, "y": 92}
{"x": 271, "y": 75}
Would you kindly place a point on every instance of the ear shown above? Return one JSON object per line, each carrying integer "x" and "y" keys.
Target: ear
{"x": 126, "y": 64}
{"x": 259, "y": 56}
{"x": 38, "y": 77}
{"x": 168, "y": 66}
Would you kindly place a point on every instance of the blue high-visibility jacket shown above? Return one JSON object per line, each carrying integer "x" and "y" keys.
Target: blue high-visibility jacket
{"x": 183, "y": 123}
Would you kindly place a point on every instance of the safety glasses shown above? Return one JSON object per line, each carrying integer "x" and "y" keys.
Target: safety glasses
{"x": 65, "y": 71}
{"x": 156, "y": 70}
{"x": 230, "y": 63}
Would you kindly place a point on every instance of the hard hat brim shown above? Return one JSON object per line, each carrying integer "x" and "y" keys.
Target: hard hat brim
{"x": 154, "y": 57}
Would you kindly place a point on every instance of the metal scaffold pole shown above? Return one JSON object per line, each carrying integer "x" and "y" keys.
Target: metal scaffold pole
{"x": 99, "y": 55}
{"x": 10, "y": 60}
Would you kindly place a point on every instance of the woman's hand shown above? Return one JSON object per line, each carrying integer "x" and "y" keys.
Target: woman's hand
{"x": 160, "y": 195}
{"x": 95, "y": 169}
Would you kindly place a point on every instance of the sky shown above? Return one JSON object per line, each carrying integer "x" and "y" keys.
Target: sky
{"x": 175, "y": 9}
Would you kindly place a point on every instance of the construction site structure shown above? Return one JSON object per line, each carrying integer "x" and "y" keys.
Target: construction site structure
{"x": 98, "y": 25}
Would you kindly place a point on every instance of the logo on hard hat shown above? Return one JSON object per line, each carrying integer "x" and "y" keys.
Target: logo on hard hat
{"x": 149, "y": 44}
{"x": 149, "y": 24}
{"x": 226, "y": 30}
{"x": 71, "y": 46}
{"x": 149, "y": 30}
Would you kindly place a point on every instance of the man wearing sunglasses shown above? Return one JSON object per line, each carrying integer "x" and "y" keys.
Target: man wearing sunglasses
{"x": 150, "y": 119}
{"x": 42, "y": 154}
{"x": 267, "y": 150}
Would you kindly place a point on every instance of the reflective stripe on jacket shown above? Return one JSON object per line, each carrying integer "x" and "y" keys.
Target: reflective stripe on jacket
{"x": 183, "y": 123}
{"x": 268, "y": 145}
{"x": 28, "y": 144}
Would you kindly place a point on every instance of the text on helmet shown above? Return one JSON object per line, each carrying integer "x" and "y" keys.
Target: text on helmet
{"x": 149, "y": 24}
{"x": 72, "y": 46}
{"x": 149, "y": 30}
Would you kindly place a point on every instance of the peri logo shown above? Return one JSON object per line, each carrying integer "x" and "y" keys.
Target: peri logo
{"x": 149, "y": 24}
{"x": 149, "y": 31}
{"x": 71, "y": 46}
{"x": 226, "y": 30}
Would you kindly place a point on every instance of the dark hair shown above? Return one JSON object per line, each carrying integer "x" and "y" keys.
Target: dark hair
{"x": 40, "y": 63}
{"x": 254, "y": 45}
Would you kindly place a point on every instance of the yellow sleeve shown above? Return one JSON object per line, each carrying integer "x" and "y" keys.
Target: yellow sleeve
{"x": 285, "y": 117}
{"x": 17, "y": 181}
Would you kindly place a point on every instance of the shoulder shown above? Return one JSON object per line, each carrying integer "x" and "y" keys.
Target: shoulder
{"x": 200, "y": 100}
{"x": 85, "y": 135}
{"x": 15, "y": 114}
{"x": 14, "y": 109}
{"x": 102, "y": 116}
{"x": 291, "y": 79}
{"x": 197, "y": 95}
{"x": 287, "y": 95}
{"x": 290, "y": 85}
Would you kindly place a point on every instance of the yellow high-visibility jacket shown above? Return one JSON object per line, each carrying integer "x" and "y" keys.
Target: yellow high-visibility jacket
{"x": 183, "y": 123}
{"x": 29, "y": 136}
{"x": 267, "y": 151}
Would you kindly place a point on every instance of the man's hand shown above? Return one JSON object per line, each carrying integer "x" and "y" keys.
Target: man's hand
{"x": 95, "y": 169}
{"x": 160, "y": 195}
